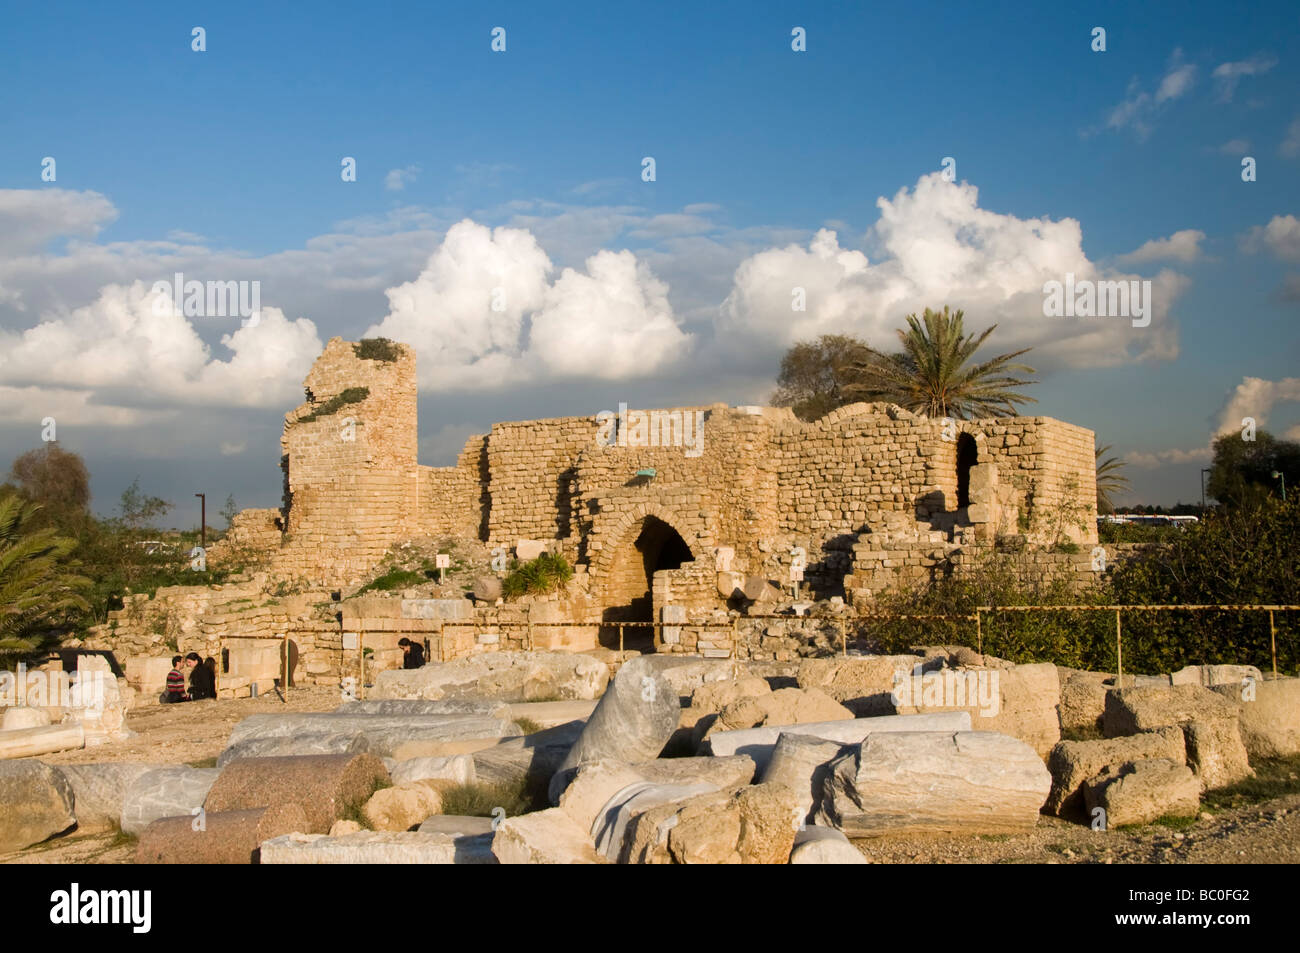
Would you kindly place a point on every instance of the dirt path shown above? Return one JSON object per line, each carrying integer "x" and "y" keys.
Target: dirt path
{"x": 194, "y": 731}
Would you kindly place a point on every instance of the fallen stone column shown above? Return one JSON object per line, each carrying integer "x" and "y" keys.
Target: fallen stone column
{"x": 35, "y": 804}
{"x": 760, "y": 742}
{"x": 802, "y": 763}
{"x": 376, "y": 847}
{"x": 223, "y": 837}
{"x": 442, "y": 727}
{"x": 915, "y": 782}
{"x": 824, "y": 845}
{"x": 30, "y": 742}
{"x": 633, "y": 721}
{"x": 422, "y": 706}
{"x": 325, "y": 786}
{"x": 165, "y": 792}
{"x": 99, "y": 790}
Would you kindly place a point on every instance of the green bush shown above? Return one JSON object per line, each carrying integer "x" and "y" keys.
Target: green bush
{"x": 353, "y": 395}
{"x": 394, "y": 579}
{"x": 1244, "y": 556}
{"x": 546, "y": 573}
{"x": 1073, "y": 638}
{"x": 1235, "y": 556}
{"x": 377, "y": 349}
{"x": 480, "y": 799}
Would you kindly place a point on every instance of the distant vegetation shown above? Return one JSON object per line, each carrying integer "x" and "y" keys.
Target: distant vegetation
{"x": 62, "y": 569}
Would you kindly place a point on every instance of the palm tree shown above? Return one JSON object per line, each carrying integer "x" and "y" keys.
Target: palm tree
{"x": 1109, "y": 479}
{"x": 933, "y": 377}
{"x": 37, "y": 593}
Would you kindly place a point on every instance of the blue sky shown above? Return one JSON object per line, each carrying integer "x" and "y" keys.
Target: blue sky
{"x": 225, "y": 164}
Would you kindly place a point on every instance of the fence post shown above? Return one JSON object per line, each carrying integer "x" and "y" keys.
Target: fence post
{"x": 1119, "y": 654}
{"x": 284, "y": 680}
{"x": 1272, "y": 640}
{"x": 528, "y": 615}
{"x": 844, "y": 638}
{"x": 979, "y": 632}
{"x": 620, "y": 642}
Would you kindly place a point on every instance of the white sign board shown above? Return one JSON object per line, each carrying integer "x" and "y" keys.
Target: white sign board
{"x": 351, "y": 640}
{"x": 442, "y": 561}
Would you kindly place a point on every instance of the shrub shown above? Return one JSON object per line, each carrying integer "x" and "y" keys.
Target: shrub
{"x": 377, "y": 349}
{"x": 1235, "y": 556}
{"x": 546, "y": 573}
{"x": 1076, "y": 639}
{"x": 394, "y": 579}
{"x": 480, "y": 799}
{"x": 353, "y": 395}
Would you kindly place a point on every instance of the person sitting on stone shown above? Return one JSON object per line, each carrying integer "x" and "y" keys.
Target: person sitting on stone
{"x": 176, "y": 682}
{"x": 413, "y": 653}
{"x": 202, "y": 682}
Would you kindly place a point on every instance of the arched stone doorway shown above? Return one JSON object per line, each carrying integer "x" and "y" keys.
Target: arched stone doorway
{"x": 649, "y": 545}
{"x": 967, "y": 457}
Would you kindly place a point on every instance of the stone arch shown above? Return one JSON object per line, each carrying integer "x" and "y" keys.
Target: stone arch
{"x": 606, "y": 536}
{"x": 633, "y": 546}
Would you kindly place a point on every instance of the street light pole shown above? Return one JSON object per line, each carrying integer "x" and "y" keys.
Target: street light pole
{"x": 1279, "y": 475}
{"x": 203, "y": 520}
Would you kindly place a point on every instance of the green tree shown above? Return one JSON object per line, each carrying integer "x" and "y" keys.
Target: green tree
{"x": 39, "y": 594}
{"x": 934, "y": 375}
{"x": 138, "y": 510}
{"x": 1109, "y": 480}
{"x": 1242, "y": 472}
{"x": 229, "y": 510}
{"x": 58, "y": 481}
{"x": 814, "y": 373}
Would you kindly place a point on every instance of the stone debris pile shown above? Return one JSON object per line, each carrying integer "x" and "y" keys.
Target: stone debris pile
{"x": 678, "y": 760}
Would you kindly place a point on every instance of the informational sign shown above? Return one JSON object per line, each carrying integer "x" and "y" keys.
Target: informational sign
{"x": 442, "y": 561}
{"x": 351, "y": 640}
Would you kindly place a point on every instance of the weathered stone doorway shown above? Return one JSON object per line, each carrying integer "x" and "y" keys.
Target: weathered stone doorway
{"x": 649, "y": 546}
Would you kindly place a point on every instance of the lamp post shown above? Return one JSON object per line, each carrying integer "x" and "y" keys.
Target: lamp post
{"x": 1279, "y": 475}
{"x": 203, "y": 520}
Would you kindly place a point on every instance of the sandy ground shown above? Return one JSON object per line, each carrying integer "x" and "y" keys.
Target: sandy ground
{"x": 1262, "y": 833}
{"x": 194, "y": 731}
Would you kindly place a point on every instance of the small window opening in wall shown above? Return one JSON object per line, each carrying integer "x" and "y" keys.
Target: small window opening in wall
{"x": 225, "y": 661}
{"x": 967, "y": 457}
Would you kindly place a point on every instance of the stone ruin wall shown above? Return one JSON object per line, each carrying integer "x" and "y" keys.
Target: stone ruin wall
{"x": 869, "y": 490}
{"x": 352, "y": 476}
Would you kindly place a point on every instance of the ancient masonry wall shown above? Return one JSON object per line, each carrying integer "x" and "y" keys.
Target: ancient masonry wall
{"x": 253, "y": 538}
{"x": 450, "y": 499}
{"x": 531, "y": 467}
{"x": 352, "y": 477}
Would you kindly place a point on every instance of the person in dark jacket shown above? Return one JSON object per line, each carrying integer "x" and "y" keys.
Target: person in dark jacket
{"x": 203, "y": 684}
{"x": 176, "y": 682}
{"x": 413, "y": 652}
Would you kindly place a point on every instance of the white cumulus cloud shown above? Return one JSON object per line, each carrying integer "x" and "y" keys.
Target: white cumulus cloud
{"x": 131, "y": 348}
{"x": 485, "y": 313}
{"x": 1184, "y": 245}
{"x": 943, "y": 249}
